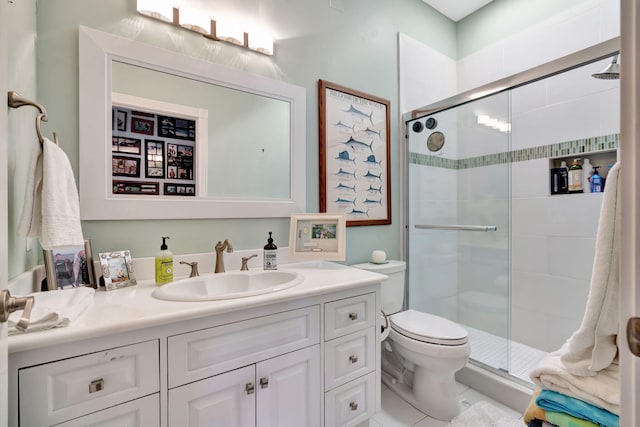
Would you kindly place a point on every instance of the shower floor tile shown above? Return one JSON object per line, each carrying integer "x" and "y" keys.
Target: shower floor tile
{"x": 494, "y": 351}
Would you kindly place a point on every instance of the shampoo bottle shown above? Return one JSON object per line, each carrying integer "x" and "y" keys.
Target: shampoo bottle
{"x": 575, "y": 177}
{"x": 586, "y": 175}
{"x": 164, "y": 264}
{"x": 596, "y": 181}
{"x": 270, "y": 255}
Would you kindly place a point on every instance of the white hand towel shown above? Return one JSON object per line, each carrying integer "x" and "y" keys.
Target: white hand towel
{"x": 51, "y": 210}
{"x": 602, "y": 389}
{"x": 54, "y": 309}
{"x": 593, "y": 346}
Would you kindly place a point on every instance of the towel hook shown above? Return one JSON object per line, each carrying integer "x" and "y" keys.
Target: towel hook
{"x": 15, "y": 100}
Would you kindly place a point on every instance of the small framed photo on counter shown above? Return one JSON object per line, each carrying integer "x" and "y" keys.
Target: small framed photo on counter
{"x": 117, "y": 269}
{"x": 318, "y": 236}
{"x": 69, "y": 266}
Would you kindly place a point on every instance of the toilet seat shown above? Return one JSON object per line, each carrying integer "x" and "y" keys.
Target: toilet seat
{"x": 428, "y": 328}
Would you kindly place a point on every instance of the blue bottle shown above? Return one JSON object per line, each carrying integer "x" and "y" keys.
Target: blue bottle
{"x": 596, "y": 181}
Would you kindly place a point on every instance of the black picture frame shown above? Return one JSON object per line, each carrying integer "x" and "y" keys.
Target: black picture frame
{"x": 154, "y": 159}
{"x": 125, "y": 166}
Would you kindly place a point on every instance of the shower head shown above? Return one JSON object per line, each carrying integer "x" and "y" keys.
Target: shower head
{"x": 611, "y": 72}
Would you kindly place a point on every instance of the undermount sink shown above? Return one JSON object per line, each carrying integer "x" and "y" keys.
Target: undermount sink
{"x": 233, "y": 284}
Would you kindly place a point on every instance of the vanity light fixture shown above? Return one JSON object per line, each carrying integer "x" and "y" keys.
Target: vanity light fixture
{"x": 156, "y": 9}
{"x": 226, "y": 30}
{"x": 192, "y": 19}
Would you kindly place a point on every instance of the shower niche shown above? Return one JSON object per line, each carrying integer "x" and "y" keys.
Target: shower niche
{"x": 513, "y": 266}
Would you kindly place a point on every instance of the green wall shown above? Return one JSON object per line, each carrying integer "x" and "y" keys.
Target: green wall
{"x": 355, "y": 47}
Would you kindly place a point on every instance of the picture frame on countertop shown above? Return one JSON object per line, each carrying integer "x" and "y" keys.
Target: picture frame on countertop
{"x": 317, "y": 236}
{"x": 117, "y": 269}
{"x": 69, "y": 266}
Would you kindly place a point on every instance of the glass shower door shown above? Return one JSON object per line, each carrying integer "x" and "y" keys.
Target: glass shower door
{"x": 459, "y": 221}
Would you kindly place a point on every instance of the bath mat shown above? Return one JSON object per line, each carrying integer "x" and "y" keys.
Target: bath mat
{"x": 484, "y": 414}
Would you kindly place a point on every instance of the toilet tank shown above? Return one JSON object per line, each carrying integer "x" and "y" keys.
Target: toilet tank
{"x": 392, "y": 288}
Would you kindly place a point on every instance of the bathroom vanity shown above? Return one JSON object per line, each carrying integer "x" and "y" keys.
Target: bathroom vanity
{"x": 303, "y": 356}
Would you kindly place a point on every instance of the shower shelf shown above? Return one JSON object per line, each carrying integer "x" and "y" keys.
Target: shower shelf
{"x": 602, "y": 159}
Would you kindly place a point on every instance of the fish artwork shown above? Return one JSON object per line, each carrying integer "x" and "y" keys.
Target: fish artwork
{"x": 372, "y": 159}
{"x": 342, "y": 126}
{"x": 371, "y": 175}
{"x": 341, "y": 186}
{"x": 372, "y": 189}
{"x": 372, "y": 132}
{"x": 372, "y": 202}
{"x": 343, "y": 201}
{"x": 361, "y": 115}
{"x": 342, "y": 172}
{"x": 344, "y": 155}
{"x": 356, "y": 145}
{"x": 355, "y": 212}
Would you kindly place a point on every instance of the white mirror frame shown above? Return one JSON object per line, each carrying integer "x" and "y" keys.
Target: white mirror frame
{"x": 97, "y": 50}
{"x": 301, "y": 234}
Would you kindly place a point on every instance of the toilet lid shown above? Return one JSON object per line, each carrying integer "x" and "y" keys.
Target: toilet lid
{"x": 428, "y": 328}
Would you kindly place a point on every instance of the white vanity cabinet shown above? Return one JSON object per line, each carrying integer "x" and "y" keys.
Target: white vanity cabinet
{"x": 351, "y": 359}
{"x": 281, "y": 387}
{"x": 308, "y": 360}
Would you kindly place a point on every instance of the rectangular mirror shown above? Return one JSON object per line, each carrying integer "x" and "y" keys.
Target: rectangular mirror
{"x": 251, "y": 162}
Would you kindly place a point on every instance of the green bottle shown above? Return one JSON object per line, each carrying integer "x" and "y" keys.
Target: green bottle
{"x": 164, "y": 264}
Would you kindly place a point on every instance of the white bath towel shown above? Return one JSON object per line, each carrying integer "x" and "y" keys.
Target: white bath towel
{"x": 601, "y": 389}
{"x": 54, "y": 309}
{"x": 51, "y": 209}
{"x": 593, "y": 346}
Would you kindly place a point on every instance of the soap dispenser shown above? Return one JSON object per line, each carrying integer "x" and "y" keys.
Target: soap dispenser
{"x": 270, "y": 255}
{"x": 164, "y": 264}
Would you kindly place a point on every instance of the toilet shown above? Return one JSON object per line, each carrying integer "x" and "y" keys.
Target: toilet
{"x": 421, "y": 352}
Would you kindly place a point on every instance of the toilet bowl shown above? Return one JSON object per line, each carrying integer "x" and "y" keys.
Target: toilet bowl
{"x": 422, "y": 352}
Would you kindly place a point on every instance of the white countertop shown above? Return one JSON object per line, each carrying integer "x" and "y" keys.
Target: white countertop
{"x": 134, "y": 307}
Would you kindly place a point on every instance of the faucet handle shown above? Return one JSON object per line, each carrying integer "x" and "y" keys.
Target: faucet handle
{"x": 244, "y": 262}
{"x": 194, "y": 268}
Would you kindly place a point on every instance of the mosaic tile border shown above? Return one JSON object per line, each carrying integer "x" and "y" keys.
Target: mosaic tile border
{"x": 562, "y": 149}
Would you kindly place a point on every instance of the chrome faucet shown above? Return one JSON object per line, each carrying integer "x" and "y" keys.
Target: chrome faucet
{"x": 220, "y": 247}
{"x": 244, "y": 266}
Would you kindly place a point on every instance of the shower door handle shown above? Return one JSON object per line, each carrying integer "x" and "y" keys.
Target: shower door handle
{"x": 633, "y": 335}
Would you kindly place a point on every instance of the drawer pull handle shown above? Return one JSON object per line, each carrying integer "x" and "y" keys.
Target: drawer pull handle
{"x": 353, "y": 316}
{"x": 249, "y": 388}
{"x": 353, "y": 406}
{"x": 353, "y": 358}
{"x": 264, "y": 382}
{"x": 96, "y": 385}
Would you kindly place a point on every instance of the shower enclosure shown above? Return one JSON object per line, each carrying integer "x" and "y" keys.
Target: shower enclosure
{"x": 489, "y": 243}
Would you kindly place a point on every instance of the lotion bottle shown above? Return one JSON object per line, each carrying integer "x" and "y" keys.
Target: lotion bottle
{"x": 164, "y": 264}
{"x": 270, "y": 255}
{"x": 586, "y": 174}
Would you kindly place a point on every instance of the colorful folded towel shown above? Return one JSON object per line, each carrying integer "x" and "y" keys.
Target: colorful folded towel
{"x": 552, "y": 401}
{"x": 561, "y": 419}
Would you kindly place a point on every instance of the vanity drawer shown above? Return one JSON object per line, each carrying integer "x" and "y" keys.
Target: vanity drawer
{"x": 62, "y": 390}
{"x": 352, "y": 403}
{"x": 201, "y": 354}
{"x": 349, "y": 357}
{"x": 349, "y": 315}
{"x": 143, "y": 412}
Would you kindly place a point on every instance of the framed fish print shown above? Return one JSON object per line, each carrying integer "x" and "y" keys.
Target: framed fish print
{"x": 354, "y": 155}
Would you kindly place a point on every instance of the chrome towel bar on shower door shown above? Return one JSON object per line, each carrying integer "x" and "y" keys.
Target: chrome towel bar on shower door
{"x": 457, "y": 227}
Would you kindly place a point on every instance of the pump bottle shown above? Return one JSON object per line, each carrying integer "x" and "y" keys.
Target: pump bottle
{"x": 270, "y": 255}
{"x": 164, "y": 264}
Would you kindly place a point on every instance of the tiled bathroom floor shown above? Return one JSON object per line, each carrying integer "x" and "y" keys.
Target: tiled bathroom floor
{"x": 398, "y": 413}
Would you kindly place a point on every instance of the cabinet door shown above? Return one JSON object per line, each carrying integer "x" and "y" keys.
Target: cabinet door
{"x": 288, "y": 390}
{"x": 226, "y": 400}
